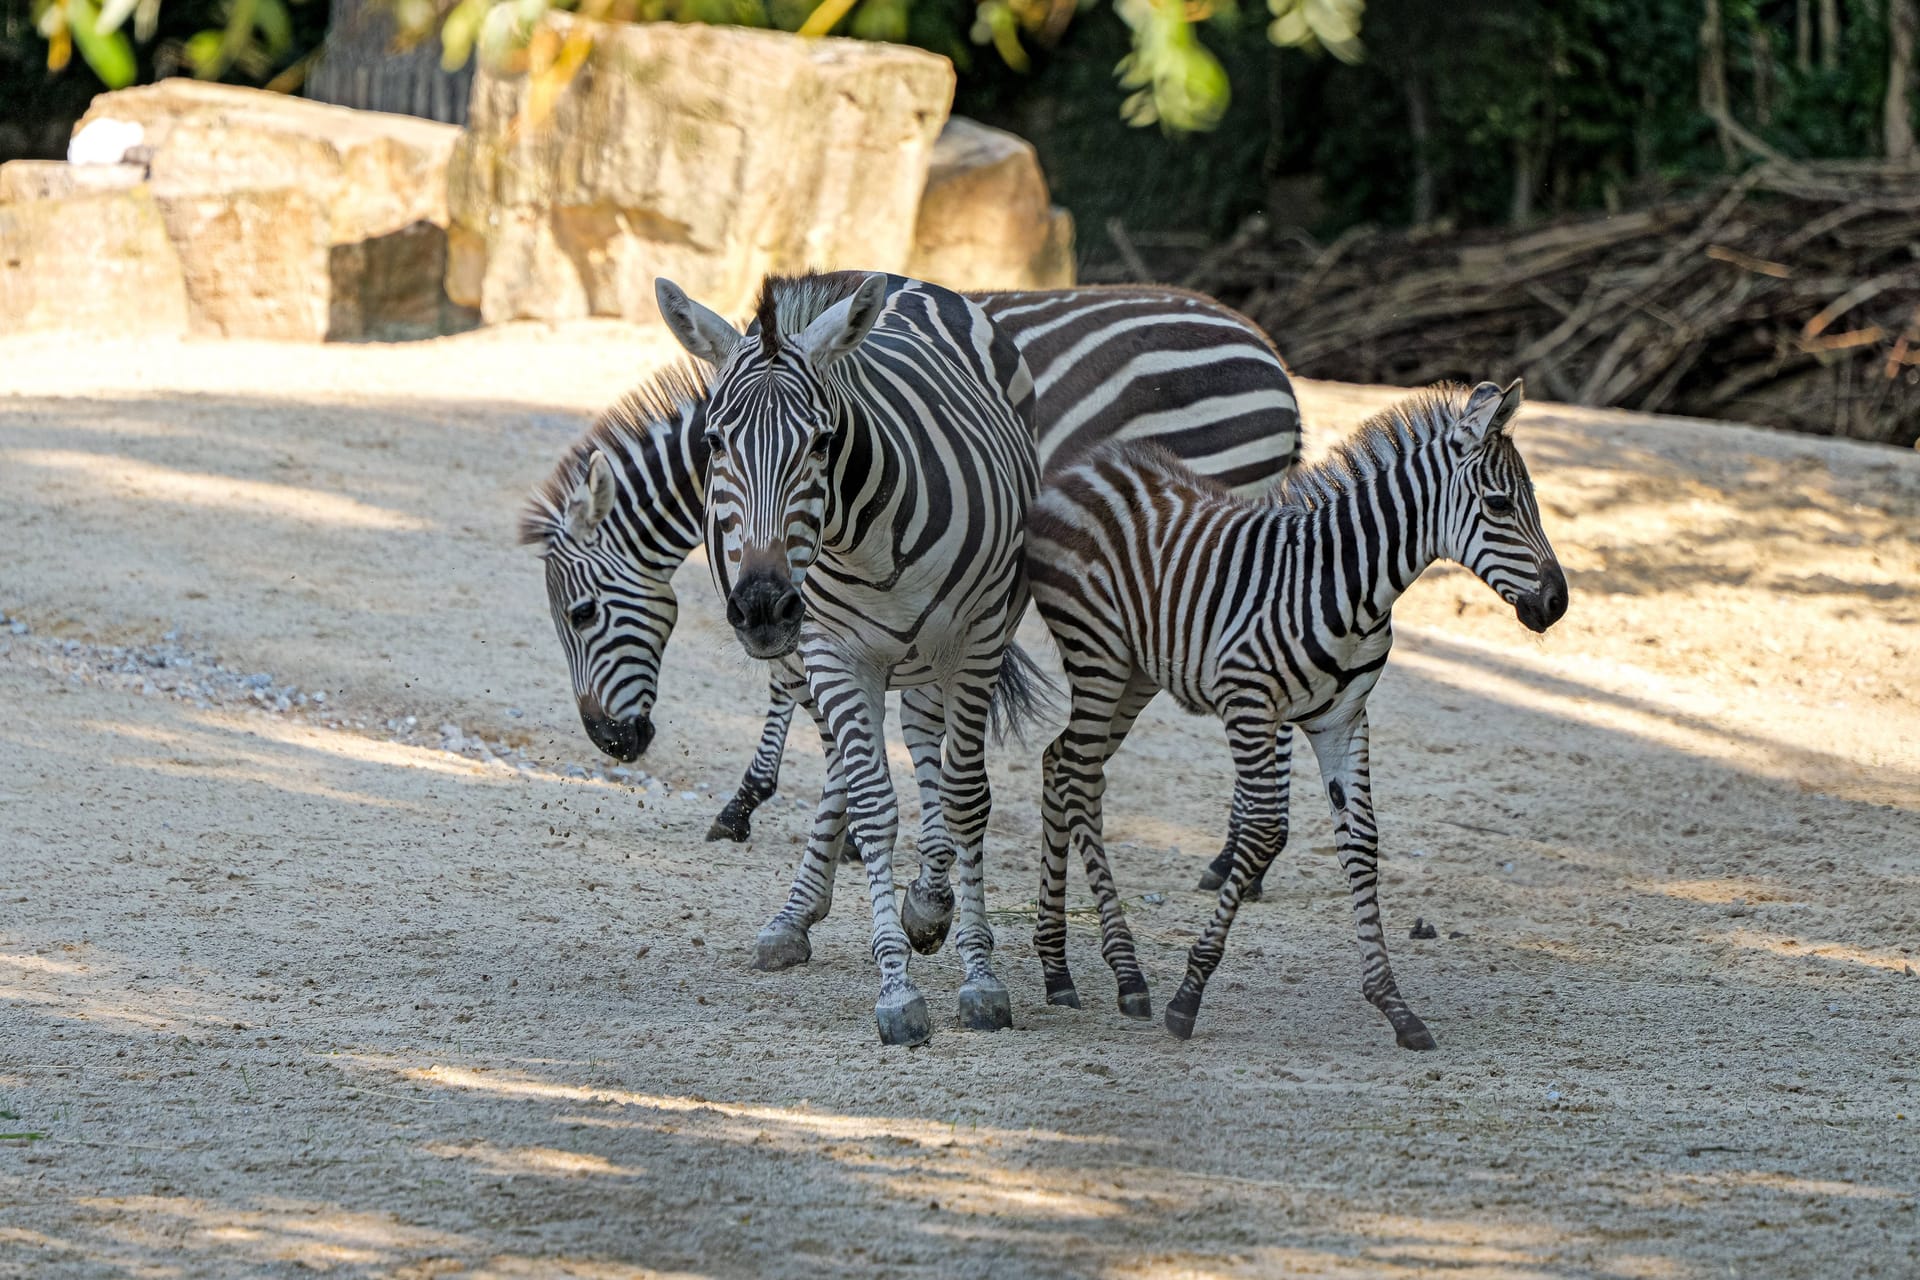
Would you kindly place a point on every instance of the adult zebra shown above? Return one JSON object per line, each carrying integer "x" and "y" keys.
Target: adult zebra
{"x": 871, "y": 442}
{"x": 622, "y": 510}
{"x": 1266, "y": 615}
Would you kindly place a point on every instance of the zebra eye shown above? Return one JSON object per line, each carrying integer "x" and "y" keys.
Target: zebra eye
{"x": 821, "y": 443}
{"x": 716, "y": 443}
{"x": 1499, "y": 504}
{"x": 581, "y": 614}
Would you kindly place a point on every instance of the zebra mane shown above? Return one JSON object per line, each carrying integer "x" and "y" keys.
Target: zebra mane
{"x": 655, "y": 403}
{"x": 1381, "y": 441}
{"x": 788, "y": 304}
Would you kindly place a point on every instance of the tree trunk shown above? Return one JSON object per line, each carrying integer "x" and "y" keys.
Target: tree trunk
{"x": 1803, "y": 35}
{"x": 1902, "y": 17}
{"x": 1829, "y": 35}
{"x": 1713, "y": 75}
{"x": 1275, "y": 154}
{"x": 1520, "y": 207}
{"x": 361, "y": 66}
{"x": 1760, "y": 51}
{"x": 1421, "y": 131}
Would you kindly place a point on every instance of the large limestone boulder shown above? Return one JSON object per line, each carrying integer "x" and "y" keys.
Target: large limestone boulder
{"x": 712, "y": 155}
{"x": 86, "y": 252}
{"x": 986, "y": 221}
{"x": 293, "y": 219}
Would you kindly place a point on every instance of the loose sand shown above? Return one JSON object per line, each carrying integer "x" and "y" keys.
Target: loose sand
{"x": 280, "y": 994}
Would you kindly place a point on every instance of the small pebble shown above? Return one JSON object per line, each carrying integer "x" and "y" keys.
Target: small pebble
{"x": 1153, "y": 899}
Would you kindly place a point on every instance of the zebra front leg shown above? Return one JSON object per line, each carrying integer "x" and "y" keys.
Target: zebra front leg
{"x": 854, "y": 712}
{"x": 1258, "y": 826}
{"x": 926, "y": 910}
{"x": 967, "y": 798}
{"x": 783, "y": 942}
{"x": 1344, "y": 766}
{"x": 1216, "y": 873}
{"x": 763, "y": 771}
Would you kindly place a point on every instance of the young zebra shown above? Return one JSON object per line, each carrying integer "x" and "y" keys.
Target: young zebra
{"x": 622, "y": 510}
{"x": 871, "y": 442}
{"x": 1265, "y": 613}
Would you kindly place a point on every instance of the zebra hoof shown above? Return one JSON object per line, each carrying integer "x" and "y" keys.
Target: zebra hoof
{"x": 985, "y": 1005}
{"x": 1413, "y": 1034}
{"x": 1060, "y": 991}
{"x": 926, "y": 917}
{"x": 735, "y": 823}
{"x": 1217, "y": 871}
{"x": 903, "y": 1020}
{"x": 1138, "y": 1004}
{"x": 1182, "y": 1010}
{"x": 1255, "y": 891}
{"x": 781, "y": 946}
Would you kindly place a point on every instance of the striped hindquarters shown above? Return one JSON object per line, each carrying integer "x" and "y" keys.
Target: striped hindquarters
{"x": 1156, "y": 365}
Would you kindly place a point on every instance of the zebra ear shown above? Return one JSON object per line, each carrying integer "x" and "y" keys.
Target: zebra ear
{"x": 846, "y": 324}
{"x": 703, "y": 332}
{"x": 592, "y": 500}
{"x": 1489, "y": 412}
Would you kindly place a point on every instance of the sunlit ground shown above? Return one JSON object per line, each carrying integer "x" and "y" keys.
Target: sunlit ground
{"x": 278, "y": 997}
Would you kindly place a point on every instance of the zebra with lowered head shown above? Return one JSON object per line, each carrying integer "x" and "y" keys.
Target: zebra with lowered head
{"x": 1264, "y": 614}
{"x": 870, "y": 464}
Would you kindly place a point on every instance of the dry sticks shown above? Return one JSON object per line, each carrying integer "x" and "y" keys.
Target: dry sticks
{"x": 1789, "y": 296}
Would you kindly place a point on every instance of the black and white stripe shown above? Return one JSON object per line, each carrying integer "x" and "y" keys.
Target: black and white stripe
{"x": 1266, "y": 614}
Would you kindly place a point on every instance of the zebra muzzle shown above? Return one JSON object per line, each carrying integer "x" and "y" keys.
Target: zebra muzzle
{"x": 765, "y": 611}
{"x": 1548, "y": 602}
{"x": 624, "y": 740}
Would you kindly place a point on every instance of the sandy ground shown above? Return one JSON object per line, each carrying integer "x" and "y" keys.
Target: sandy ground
{"x": 304, "y": 990}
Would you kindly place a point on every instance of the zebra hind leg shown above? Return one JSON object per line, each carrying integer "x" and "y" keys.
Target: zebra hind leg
{"x": 1116, "y": 940}
{"x": 735, "y": 821}
{"x": 1050, "y": 924}
{"x": 1222, "y": 865}
{"x": 926, "y": 909}
{"x": 967, "y": 797}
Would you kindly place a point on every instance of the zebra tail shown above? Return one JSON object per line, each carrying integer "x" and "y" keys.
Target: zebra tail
{"x": 1024, "y": 696}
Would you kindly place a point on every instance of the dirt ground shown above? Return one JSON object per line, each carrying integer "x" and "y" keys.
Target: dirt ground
{"x": 403, "y": 983}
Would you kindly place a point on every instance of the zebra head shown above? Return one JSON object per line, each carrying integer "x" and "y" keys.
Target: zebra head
{"x": 774, "y": 419}
{"x": 1490, "y": 522}
{"x": 615, "y": 519}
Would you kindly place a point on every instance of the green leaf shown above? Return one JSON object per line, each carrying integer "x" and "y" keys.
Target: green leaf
{"x": 203, "y": 53}
{"x": 275, "y": 26}
{"x": 109, "y": 53}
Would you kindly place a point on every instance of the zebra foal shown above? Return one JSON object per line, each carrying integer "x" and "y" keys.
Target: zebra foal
{"x": 1266, "y": 614}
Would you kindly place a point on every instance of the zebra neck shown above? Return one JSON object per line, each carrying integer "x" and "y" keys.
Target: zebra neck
{"x": 662, "y": 489}
{"x": 1371, "y": 540}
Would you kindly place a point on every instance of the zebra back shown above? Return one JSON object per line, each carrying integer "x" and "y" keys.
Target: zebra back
{"x": 1157, "y": 365}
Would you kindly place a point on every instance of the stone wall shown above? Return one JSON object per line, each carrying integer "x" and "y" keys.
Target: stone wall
{"x": 711, "y": 155}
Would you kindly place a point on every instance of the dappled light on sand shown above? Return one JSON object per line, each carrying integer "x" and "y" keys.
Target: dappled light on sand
{"x": 279, "y": 996}
{"x": 107, "y": 477}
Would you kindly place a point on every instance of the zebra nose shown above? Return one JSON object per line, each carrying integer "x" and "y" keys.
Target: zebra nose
{"x": 1553, "y": 593}
{"x": 765, "y": 612}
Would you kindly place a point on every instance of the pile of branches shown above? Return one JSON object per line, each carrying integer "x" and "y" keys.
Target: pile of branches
{"x": 1789, "y": 296}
